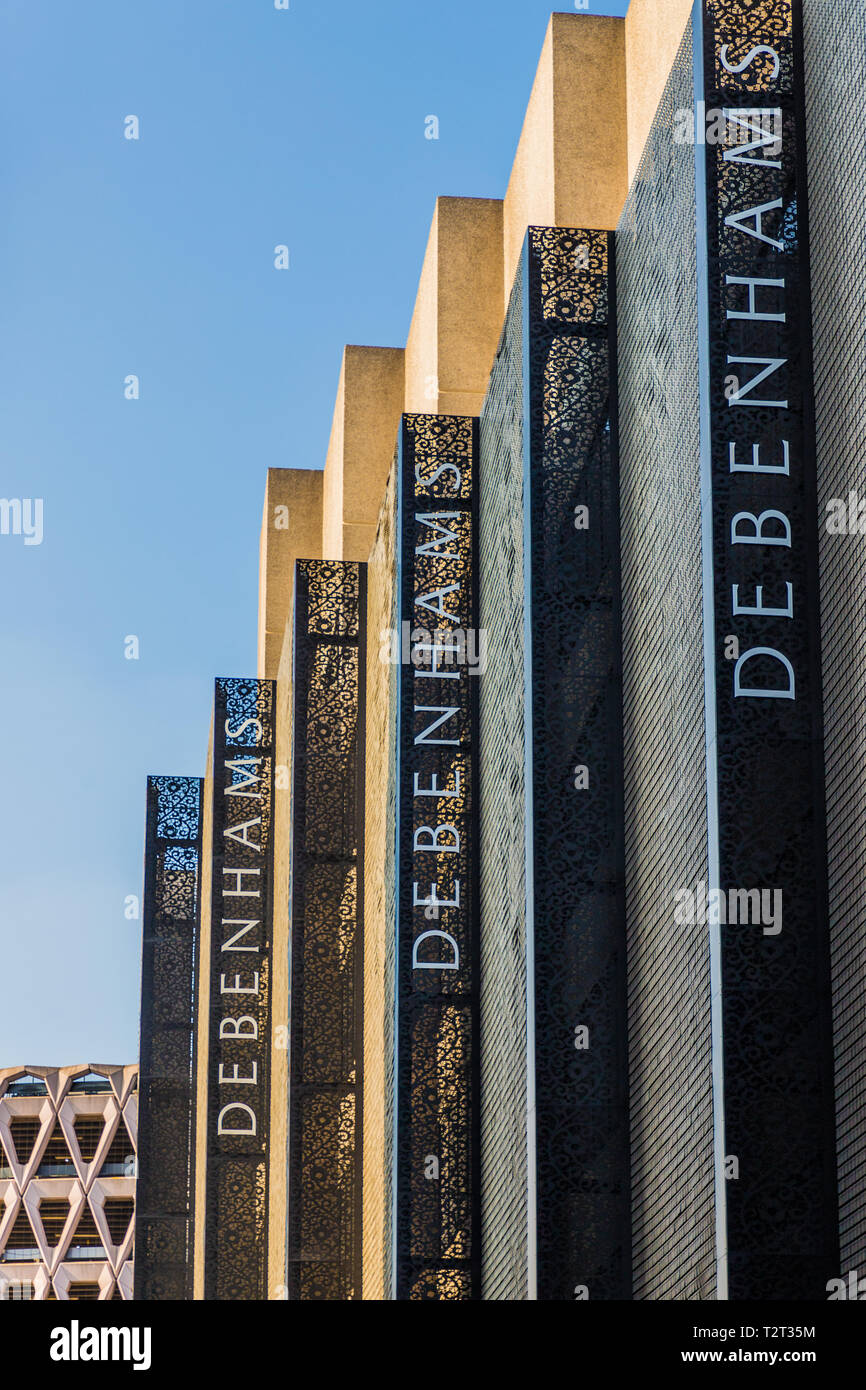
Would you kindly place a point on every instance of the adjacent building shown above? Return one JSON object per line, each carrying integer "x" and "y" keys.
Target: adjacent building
{"x": 67, "y": 1182}
{"x": 512, "y": 945}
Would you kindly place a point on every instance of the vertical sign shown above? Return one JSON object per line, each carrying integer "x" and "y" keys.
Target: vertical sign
{"x": 327, "y": 912}
{"x": 440, "y": 655}
{"x": 574, "y": 776}
{"x": 765, "y": 753}
{"x": 166, "y": 1124}
{"x": 239, "y": 1041}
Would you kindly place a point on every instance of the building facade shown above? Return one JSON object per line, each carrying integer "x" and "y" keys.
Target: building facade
{"x": 520, "y": 952}
{"x": 67, "y": 1182}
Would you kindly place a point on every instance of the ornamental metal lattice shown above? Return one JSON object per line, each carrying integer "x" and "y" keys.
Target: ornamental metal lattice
{"x": 165, "y": 1187}
{"x": 440, "y": 655}
{"x": 326, "y": 999}
{"x": 575, "y": 890}
{"x": 239, "y": 1024}
{"x": 759, "y": 458}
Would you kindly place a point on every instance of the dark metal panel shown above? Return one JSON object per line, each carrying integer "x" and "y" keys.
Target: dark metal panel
{"x": 439, "y": 651}
{"x": 778, "y": 1080}
{"x": 574, "y": 771}
{"x": 239, "y": 1033}
{"x": 327, "y": 1039}
{"x": 166, "y": 1123}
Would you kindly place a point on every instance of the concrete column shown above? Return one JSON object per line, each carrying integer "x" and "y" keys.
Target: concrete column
{"x": 653, "y": 33}
{"x": 291, "y": 530}
{"x": 360, "y": 451}
{"x": 458, "y": 310}
{"x": 570, "y": 169}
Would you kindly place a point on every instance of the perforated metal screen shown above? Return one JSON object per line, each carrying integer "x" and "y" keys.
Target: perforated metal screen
{"x": 165, "y": 1187}
{"x": 327, "y": 943}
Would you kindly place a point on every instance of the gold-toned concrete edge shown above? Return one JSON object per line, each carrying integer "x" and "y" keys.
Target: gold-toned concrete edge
{"x": 332, "y": 490}
{"x": 459, "y": 306}
{"x": 380, "y": 720}
{"x": 589, "y": 121}
{"x": 570, "y": 168}
{"x": 300, "y": 490}
{"x": 373, "y": 388}
{"x": 422, "y": 357}
{"x": 529, "y": 197}
{"x": 654, "y": 30}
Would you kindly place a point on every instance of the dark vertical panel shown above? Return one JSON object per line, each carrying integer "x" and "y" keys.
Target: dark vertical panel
{"x": 327, "y": 1040}
{"x": 165, "y": 1185}
{"x": 437, "y": 1104}
{"x": 239, "y": 1041}
{"x": 574, "y": 697}
{"x": 778, "y": 1083}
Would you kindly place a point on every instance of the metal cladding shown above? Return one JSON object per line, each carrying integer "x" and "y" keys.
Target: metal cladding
{"x": 670, "y": 1034}
{"x": 239, "y": 1024}
{"x": 575, "y": 877}
{"x": 172, "y": 878}
{"x": 327, "y": 961}
{"x": 765, "y": 754}
{"x": 505, "y": 1187}
{"x": 440, "y": 654}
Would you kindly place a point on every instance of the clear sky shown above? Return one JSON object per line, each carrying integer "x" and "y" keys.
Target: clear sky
{"x": 155, "y": 257}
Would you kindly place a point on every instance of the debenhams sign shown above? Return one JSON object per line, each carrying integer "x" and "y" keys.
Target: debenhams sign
{"x": 771, "y": 828}
{"x": 239, "y": 1033}
{"x": 762, "y": 457}
{"x": 242, "y": 797}
{"x": 437, "y": 976}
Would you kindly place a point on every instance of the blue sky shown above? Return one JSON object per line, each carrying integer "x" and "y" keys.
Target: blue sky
{"x": 154, "y": 257}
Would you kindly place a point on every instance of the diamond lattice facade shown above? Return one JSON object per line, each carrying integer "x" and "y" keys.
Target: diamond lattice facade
{"x": 67, "y": 1182}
